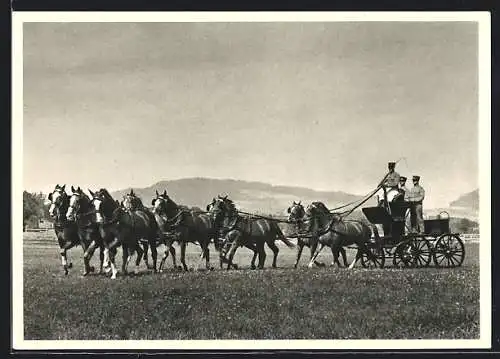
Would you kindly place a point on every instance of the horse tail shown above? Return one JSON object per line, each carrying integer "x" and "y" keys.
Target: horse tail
{"x": 281, "y": 236}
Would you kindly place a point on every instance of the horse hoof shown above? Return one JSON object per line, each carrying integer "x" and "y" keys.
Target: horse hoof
{"x": 66, "y": 272}
{"x": 85, "y": 274}
{"x": 113, "y": 277}
{"x": 92, "y": 269}
{"x": 70, "y": 265}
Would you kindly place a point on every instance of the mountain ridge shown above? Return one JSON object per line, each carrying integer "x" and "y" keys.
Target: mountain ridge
{"x": 248, "y": 195}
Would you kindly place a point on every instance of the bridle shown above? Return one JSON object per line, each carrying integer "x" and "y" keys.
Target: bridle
{"x": 59, "y": 216}
{"x": 162, "y": 212}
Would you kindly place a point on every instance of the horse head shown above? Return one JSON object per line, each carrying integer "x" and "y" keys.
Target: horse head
{"x": 131, "y": 201}
{"x": 221, "y": 207}
{"x": 79, "y": 203}
{"x": 296, "y": 212}
{"x": 57, "y": 198}
{"x": 163, "y": 204}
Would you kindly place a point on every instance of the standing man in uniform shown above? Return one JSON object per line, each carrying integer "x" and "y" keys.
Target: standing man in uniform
{"x": 391, "y": 180}
{"x": 416, "y": 196}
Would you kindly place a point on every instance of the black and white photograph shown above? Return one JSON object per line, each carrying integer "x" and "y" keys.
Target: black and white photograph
{"x": 251, "y": 180}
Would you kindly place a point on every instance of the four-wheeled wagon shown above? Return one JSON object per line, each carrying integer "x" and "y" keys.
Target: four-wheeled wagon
{"x": 436, "y": 244}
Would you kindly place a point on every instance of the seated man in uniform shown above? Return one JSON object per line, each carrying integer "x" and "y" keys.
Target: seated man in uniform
{"x": 416, "y": 196}
{"x": 402, "y": 185}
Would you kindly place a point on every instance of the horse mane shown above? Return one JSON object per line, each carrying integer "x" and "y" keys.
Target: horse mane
{"x": 230, "y": 205}
{"x": 321, "y": 206}
{"x": 106, "y": 194}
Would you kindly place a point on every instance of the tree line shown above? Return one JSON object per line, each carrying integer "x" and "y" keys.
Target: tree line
{"x": 34, "y": 209}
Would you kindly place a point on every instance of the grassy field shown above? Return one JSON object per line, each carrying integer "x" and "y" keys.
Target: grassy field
{"x": 283, "y": 303}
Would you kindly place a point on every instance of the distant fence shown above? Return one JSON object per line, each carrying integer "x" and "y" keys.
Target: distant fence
{"x": 37, "y": 229}
{"x": 470, "y": 237}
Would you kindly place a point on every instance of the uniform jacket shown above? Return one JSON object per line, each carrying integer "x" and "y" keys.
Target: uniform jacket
{"x": 415, "y": 194}
{"x": 392, "y": 179}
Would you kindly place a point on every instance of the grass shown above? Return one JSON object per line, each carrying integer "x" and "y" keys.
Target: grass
{"x": 283, "y": 303}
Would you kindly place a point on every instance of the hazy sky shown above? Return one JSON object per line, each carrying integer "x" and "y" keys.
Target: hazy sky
{"x": 320, "y": 105}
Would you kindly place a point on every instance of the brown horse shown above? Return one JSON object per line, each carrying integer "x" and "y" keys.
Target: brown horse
{"x": 125, "y": 228}
{"x": 246, "y": 230}
{"x": 296, "y": 216}
{"x": 81, "y": 212}
{"x": 178, "y": 223}
{"x": 227, "y": 235}
{"x": 337, "y": 233}
{"x": 132, "y": 203}
{"x": 66, "y": 231}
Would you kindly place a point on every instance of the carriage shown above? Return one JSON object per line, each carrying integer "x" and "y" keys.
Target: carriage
{"x": 436, "y": 244}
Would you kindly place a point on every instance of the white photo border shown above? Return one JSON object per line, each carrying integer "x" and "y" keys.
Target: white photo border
{"x": 484, "y": 152}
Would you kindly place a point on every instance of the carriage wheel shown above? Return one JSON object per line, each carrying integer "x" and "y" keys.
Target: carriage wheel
{"x": 449, "y": 251}
{"x": 414, "y": 253}
{"x": 402, "y": 255}
{"x": 375, "y": 258}
{"x": 421, "y": 251}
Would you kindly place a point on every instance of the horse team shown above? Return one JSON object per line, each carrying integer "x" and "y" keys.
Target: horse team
{"x": 100, "y": 222}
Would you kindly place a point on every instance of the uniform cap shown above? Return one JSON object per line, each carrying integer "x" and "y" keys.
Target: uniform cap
{"x": 416, "y": 178}
{"x": 392, "y": 163}
{"x": 402, "y": 178}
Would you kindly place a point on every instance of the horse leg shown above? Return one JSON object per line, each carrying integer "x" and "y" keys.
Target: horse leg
{"x": 275, "y": 249}
{"x": 101, "y": 258}
{"x": 154, "y": 256}
{"x": 183, "y": 255}
{"x": 335, "y": 254}
{"x": 63, "y": 253}
{"x": 231, "y": 253}
{"x": 358, "y": 256}
{"x": 172, "y": 253}
{"x": 87, "y": 255}
{"x": 315, "y": 255}
{"x": 140, "y": 253}
{"x": 168, "y": 245}
{"x": 255, "y": 253}
{"x": 344, "y": 256}
{"x": 145, "y": 251}
{"x": 312, "y": 249}
{"x": 300, "y": 247}
{"x": 112, "y": 258}
{"x": 207, "y": 256}
{"x": 125, "y": 258}
{"x": 262, "y": 254}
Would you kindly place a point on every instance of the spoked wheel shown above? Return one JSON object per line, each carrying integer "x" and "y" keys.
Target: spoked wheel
{"x": 449, "y": 251}
{"x": 421, "y": 251}
{"x": 414, "y": 253}
{"x": 374, "y": 258}
{"x": 402, "y": 255}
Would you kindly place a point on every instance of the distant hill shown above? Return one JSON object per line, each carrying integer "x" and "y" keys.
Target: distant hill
{"x": 467, "y": 200}
{"x": 255, "y": 197}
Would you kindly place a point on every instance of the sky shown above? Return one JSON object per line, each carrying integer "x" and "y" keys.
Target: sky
{"x": 317, "y": 105}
